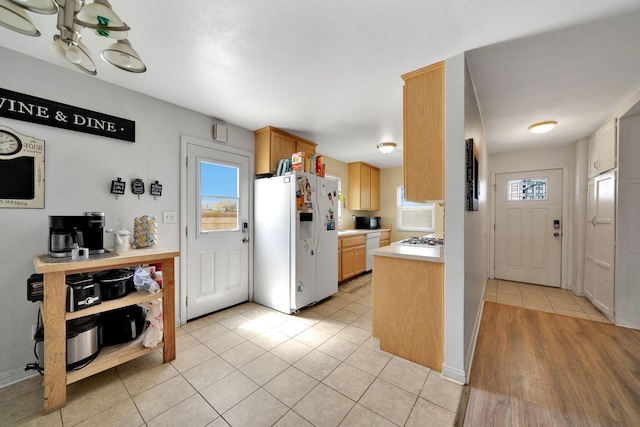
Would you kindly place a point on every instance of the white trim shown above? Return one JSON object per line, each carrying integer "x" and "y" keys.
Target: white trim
{"x": 452, "y": 374}
{"x": 474, "y": 337}
{"x": 566, "y": 227}
{"x": 184, "y": 141}
{"x": 15, "y": 376}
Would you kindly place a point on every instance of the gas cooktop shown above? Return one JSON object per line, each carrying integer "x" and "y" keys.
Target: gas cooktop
{"x": 421, "y": 241}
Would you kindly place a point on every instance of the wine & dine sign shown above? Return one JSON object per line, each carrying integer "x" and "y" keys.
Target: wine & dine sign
{"x": 32, "y": 109}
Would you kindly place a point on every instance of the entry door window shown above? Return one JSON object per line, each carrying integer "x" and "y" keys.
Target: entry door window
{"x": 219, "y": 197}
{"x": 527, "y": 189}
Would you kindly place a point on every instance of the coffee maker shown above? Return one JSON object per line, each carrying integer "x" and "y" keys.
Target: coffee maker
{"x": 69, "y": 232}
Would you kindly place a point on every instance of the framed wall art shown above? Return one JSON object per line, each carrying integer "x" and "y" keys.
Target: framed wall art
{"x": 21, "y": 170}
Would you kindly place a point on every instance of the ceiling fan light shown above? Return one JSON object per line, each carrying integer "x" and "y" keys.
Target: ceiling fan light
{"x": 123, "y": 56}
{"x": 46, "y": 7}
{"x": 386, "y": 147}
{"x": 16, "y": 19}
{"x": 542, "y": 127}
{"x": 99, "y": 16}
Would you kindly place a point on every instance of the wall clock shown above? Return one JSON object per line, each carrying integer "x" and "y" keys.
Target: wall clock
{"x": 21, "y": 170}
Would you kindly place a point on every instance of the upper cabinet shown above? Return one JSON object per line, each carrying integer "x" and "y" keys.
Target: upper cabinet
{"x": 273, "y": 144}
{"x": 602, "y": 149}
{"x": 364, "y": 187}
{"x": 423, "y": 142}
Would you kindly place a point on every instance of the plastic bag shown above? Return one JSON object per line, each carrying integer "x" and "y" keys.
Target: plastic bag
{"x": 155, "y": 330}
{"x": 144, "y": 283}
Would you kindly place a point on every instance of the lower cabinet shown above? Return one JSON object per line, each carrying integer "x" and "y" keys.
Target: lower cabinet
{"x": 352, "y": 254}
{"x": 385, "y": 238}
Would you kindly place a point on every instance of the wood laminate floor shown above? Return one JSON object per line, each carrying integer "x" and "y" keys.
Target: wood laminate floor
{"x": 533, "y": 368}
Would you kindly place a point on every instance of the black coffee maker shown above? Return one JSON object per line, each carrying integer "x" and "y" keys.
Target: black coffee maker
{"x": 69, "y": 232}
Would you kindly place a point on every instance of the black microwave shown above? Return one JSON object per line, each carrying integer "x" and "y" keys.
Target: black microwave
{"x": 367, "y": 222}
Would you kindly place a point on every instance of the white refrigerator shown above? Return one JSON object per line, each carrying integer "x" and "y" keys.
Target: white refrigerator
{"x": 295, "y": 241}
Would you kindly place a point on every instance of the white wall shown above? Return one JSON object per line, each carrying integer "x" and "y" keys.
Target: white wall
{"x": 465, "y": 248}
{"x": 476, "y": 223}
{"x": 79, "y": 169}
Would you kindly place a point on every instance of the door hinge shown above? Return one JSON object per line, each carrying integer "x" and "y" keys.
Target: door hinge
{"x": 494, "y": 187}
{"x": 186, "y": 301}
{"x": 186, "y": 162}
{"x": 186, "y": 232}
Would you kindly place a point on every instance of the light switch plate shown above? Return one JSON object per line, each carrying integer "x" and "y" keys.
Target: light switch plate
{"x": 169, "y": 217}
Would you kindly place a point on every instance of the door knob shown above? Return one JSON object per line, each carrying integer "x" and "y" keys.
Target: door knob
{"x": 556, "y": 234}
{"x": 245, "y": 240}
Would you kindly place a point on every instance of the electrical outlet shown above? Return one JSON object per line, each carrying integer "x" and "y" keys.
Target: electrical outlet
{"x": 169, "y": 217}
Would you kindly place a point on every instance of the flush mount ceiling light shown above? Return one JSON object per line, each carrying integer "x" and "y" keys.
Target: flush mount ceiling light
{"x": 543, "y": 127}
{"x": 73, "y": 16}
{"x": 386, "y": 147}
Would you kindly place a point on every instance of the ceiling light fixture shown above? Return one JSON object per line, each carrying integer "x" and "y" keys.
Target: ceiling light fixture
{"x": 386, "y": 147}
{"x": 542, "y": 127}
{"x": 73, "y": 15}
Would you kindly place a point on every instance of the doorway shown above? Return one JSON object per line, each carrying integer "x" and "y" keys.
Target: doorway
{"x": 528, "y": 227}
{"x": 216, "y": 211}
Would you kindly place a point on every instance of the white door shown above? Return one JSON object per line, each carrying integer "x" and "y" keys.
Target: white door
{"x": 528, "y": 228}
{"x": 600, "y": 250}
{"x": 217, "y": 220}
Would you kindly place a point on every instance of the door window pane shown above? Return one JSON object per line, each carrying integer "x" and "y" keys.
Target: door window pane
{"x": 527, "y": 189}
{"x": 219, "y": 197}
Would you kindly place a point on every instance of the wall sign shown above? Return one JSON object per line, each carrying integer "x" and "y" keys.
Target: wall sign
{"x": 117, "y": 187}
{"x": 471, "y": 201}
{"x": 21, "y": 170}
{"x": 137, "y": 186}
{"x": 32, "y": 109}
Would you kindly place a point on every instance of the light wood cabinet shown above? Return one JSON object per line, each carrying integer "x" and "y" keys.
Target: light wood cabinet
{"x": 352, "y": 256}
{"x": 54, "y": 318}
{"x": 364, "y": 187}
{"x": 273, "y": 144}
{"x": 385, "y": 238}
{"x": 408, "y": 309}
{"x": 305, "y": 146}
{"x": 423, "y": 130}
{"x": 602, "y": 149}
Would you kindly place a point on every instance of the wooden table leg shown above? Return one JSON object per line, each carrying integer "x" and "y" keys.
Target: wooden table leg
{"x": 55, "y": 341}
{"x": 168, "y": 310}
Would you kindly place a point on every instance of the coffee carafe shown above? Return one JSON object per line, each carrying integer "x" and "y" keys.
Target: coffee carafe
{"x": 63, "y": 241}
{"x": 69, "y": 232}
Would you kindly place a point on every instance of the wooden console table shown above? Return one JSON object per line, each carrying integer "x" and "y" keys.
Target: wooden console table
{"x": 54, "y": 316}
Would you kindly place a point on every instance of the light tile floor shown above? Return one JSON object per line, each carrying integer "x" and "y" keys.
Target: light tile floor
{"x": 542, "y": 298}
{"x": 252, "y": 366}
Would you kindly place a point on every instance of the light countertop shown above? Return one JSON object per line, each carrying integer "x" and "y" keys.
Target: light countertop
{"x": 342, "y": 233}
{"x": 418, "y": 253}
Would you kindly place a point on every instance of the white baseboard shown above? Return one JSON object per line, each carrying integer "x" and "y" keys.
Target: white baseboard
{"x": 15, "y": 376}
{"x": 453, "y": 374}
{"x": 474, "y": 337}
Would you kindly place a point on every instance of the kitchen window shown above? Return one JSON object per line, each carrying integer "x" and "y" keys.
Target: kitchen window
{"x": 413, "y": 216}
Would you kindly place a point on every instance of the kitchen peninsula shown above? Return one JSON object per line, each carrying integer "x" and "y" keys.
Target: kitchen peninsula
{"x": 408, "y": 302}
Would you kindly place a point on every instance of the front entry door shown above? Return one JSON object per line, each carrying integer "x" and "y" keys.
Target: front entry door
{"x": 218, "y": 214}
{"x": 528, "y": 228}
